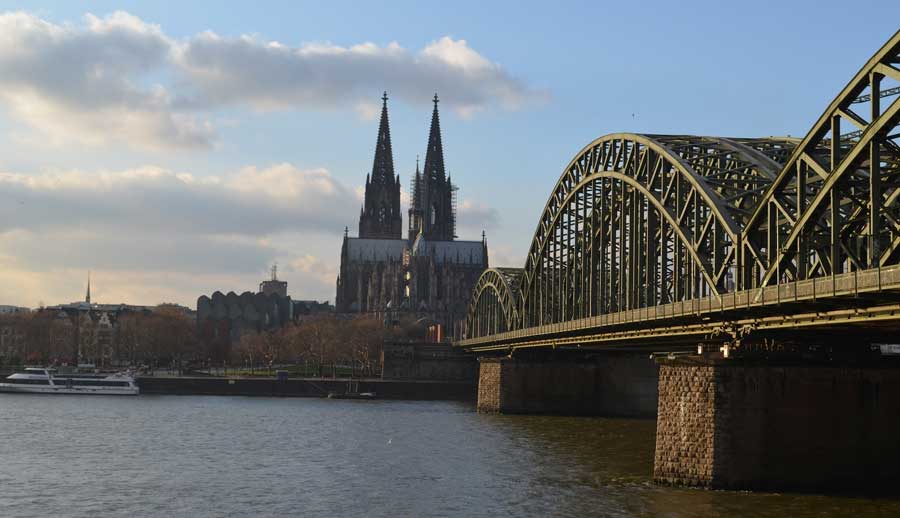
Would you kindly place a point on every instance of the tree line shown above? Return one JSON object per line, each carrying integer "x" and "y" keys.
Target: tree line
{"x": 167, "y": 338}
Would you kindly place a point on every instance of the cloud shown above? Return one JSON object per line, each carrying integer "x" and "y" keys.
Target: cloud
{"x": 92, "y": 84}
{"x": 175, "y": 234}
{"x": 269, "y": 75}
{"x": 249, "y": 202}
{"x": 119, "y": 80}
{"x": 473, "y": 217}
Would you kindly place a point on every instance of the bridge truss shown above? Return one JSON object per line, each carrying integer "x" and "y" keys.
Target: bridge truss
{"x": 644, "y": 224}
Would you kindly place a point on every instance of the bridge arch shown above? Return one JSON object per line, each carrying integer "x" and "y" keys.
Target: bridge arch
{"x": 639, "y": 220}
{"x": 494, "y": 305}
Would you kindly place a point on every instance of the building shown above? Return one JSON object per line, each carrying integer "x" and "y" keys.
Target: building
{"x": 223, "y": 318}
{"x": 94, "y": 327}
{"x": 9, "y": 310}
{"x": 273, "y": 285}
{"x": 426, "y": 274}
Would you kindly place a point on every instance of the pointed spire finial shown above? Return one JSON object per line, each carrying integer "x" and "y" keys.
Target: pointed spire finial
{"x": 346, "y": 231}
{"x": 436, "y": 100}
{"x": 483, "y": 236}
{"x": 384, "y": 97}
{"x": 87, "y": 295}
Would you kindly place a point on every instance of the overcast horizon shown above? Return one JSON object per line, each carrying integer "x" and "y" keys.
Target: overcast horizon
{"x": 175, "y": 150}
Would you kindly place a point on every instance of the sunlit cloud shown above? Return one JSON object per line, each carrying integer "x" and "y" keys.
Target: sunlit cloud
{"x": 119, "y": 80}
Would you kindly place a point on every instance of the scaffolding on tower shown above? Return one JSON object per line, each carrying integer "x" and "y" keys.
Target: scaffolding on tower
{"x": 453, "y": 189}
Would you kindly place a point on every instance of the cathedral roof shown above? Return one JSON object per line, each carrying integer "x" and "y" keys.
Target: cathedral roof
{"x": 451, "y": 252}
{"x": 363, "y": 249}
{"x": 460, "y": 252}
{"x": 441, "y": 252}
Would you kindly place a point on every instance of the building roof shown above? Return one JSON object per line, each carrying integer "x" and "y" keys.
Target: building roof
{"x": 457, "y": 252}
{"x": 375, "y": 250}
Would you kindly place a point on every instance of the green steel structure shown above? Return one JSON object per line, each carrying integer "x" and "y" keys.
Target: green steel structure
{"x": 667, "y": 238}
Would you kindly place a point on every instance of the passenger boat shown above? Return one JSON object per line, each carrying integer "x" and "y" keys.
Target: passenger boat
{"x": 46, "y": 381}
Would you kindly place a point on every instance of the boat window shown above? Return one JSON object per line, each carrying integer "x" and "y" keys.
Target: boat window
{"x": 98, "y": 383}
{"x": 28, "y": 382}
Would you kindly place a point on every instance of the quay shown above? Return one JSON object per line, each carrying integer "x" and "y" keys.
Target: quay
{"x": 306, "y": 387}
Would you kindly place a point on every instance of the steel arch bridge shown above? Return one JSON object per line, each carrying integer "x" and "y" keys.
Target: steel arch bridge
{"x": 649, "y": 237}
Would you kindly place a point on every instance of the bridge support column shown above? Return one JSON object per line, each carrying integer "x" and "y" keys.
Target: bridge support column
{"x": 724, "y": 424}
{"x": 603, "y": 384}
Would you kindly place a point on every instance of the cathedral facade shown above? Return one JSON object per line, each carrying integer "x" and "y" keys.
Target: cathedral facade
{"x": 426, "y": 274}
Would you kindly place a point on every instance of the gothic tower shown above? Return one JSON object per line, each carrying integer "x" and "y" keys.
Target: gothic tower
{"x": 432, "y": 212}
{"x": 380, "y": 214}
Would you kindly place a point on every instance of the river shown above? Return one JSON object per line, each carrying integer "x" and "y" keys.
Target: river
{"x": 174, "y": 456}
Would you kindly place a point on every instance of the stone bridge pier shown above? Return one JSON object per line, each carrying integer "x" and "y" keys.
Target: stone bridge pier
{"x": 753, "y": 425}
{"x": 600, "y": 384}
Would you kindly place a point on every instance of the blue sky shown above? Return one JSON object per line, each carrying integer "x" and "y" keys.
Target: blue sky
{"x": 153, "y": 185}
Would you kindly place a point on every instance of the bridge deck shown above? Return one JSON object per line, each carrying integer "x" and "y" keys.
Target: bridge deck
{"x": 868, "y": 295}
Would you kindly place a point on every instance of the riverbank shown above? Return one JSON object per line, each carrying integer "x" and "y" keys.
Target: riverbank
{"x": 307, "y": 387}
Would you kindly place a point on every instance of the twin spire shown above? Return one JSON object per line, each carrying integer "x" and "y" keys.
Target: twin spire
{"x": 380, "y": 214}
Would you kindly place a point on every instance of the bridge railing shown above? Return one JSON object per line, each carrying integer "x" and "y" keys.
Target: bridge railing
{"x": 810, "y": 290}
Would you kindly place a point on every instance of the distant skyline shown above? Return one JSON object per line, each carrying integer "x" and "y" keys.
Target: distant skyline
{"x": 175, "y": 149}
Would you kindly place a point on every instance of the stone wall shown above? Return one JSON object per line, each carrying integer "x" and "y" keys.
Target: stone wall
{"x": 684, "y": 425}
{"x": 427, "y": 361}
{"x": 724, "y": 424}
{"x": 613, "y": 385}
{"x": 489, "y": 383}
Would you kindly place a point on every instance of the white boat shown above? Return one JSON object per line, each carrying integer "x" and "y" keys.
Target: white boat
{"x": 46, "y": 381}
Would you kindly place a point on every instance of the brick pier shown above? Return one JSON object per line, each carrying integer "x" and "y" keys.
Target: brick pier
{"x": 727, "y": 424}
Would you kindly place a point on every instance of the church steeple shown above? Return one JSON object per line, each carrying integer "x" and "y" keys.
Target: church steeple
{"x": 380, "y": 216}
{"x": 434, "y": 156}
{"x": 433, "y": 193}
{"x": 87, "y": 295}
{"x": 383, "y": 165}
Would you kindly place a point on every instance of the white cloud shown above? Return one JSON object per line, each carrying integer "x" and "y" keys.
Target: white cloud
{"x": 120, "y": 80}
{"x": 268, "y": 76}
{"x": 250, "y": 202}
{"x": 93, "y": 84}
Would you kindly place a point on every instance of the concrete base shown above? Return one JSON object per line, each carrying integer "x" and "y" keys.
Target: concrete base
{"x": 723, "y": 424}
{"x": 612, "y": 385}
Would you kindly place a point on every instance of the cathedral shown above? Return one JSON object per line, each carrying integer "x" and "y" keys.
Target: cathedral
{"x": 428, "y": 274}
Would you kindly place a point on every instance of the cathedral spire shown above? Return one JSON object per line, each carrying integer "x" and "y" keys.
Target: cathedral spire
{"x": 434, "y": 156}
{"x": 383, "y": 165}
{"x": 380, "y": 217}
{"x": 435, "y": 196}
{"x": 87, "y": 295}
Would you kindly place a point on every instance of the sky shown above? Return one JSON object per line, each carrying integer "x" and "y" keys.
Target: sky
{"x": 178, "y": 148}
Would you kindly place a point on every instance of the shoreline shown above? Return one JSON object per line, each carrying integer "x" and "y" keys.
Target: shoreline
{"x": 307, "y": 387}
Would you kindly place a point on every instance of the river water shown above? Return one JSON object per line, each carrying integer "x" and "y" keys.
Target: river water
{"x": 171, "y": 456}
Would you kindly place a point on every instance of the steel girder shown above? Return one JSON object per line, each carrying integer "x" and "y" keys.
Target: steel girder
{"x": 643, "y": 220}
{"x": 640, "y": 220}
{"x": 833, "y": 206}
